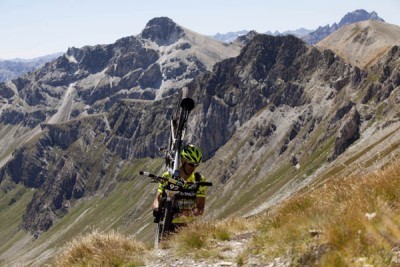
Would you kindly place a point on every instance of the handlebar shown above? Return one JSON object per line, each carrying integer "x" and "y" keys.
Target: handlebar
{"x": 171, "y": 180}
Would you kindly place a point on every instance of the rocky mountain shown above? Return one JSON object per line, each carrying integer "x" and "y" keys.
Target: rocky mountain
{"x": 229, "y": 36}
{"x": 75, "y": 90}
{"x": 310, "y": 36}
{"x": 298, "y": 113}
{"x": 350, "y": 18}
{"x": 152, "y": 65}
{"x": 301, "y": 32}
{"x": 273, "y": 118}
{"x": 232, "y": 36}
{"x": 11, "y": 69}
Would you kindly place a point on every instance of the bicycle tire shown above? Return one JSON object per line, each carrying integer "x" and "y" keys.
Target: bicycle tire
{"x": 168, "y": 218}
{"x": 157, "y": 235}
{"x": 164, "y": 226}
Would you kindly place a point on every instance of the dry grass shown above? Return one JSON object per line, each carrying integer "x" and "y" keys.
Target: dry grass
{"x": 101, "y": 249}
{"x": 347, "y": 222}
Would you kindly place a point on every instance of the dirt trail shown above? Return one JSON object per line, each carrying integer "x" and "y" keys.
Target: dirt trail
{"x": 230, "y": 253}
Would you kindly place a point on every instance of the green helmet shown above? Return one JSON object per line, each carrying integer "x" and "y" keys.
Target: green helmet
{"x": 191, "y": 154}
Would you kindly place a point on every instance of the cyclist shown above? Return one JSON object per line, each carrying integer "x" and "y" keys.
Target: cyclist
{"x": 189, "y": 204}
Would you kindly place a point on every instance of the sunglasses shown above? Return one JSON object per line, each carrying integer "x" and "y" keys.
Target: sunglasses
{"x": 192, "y": 164}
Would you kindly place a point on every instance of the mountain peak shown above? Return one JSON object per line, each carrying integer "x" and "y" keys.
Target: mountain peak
{"x": 162, "y": 30}
{"x": 358, "y": 15}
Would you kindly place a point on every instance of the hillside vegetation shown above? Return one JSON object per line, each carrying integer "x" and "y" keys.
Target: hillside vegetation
{"x": 347, "y": 221}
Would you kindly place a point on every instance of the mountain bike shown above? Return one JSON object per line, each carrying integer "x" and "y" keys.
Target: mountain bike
{"x": 174, "y": 185}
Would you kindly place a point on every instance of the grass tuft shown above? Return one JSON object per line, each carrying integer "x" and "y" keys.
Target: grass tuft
{"x": 101, "y": 249}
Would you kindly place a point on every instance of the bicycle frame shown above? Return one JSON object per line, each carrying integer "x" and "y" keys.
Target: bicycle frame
{"x": 177, "y": 134}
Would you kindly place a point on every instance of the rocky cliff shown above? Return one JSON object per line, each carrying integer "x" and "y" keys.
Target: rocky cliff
{"x": 282, "y": 101}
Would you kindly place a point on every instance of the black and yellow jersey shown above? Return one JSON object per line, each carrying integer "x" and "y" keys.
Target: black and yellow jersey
{"x": 185, "y": 200}
{"x": 200, "y": 192}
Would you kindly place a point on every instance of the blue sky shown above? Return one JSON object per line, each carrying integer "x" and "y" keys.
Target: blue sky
{"x": 32, "y": 28}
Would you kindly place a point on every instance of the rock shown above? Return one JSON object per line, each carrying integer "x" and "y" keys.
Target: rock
{"x": 151, "y": 78}
{"x": 6, "y": 91}
{"x": 348, "y": 132}
{"x": 162, "y": 31}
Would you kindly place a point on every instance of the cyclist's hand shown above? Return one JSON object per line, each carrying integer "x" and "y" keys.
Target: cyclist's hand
{"x": 156, "y": 213}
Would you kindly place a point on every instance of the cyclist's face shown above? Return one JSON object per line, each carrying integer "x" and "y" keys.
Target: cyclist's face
{"x": 189, "y": 167}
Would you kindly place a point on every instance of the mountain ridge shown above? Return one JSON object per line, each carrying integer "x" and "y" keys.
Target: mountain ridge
{"x": 311, "y": 36}
{"x": 12, "y": 68}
